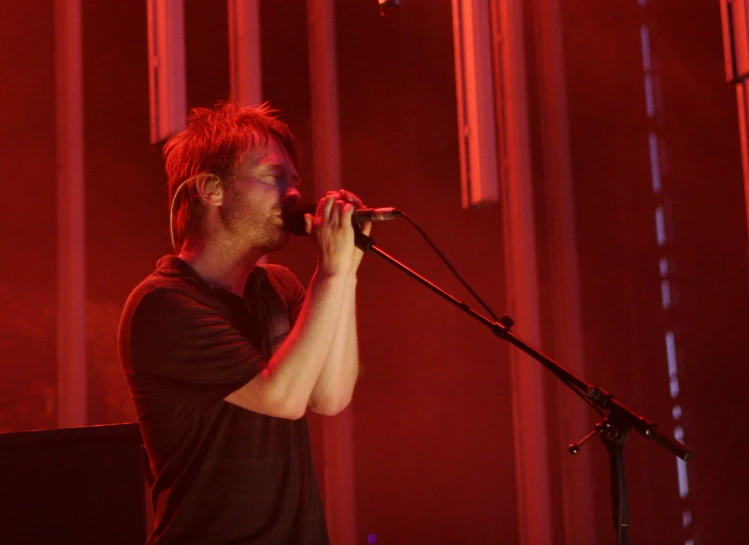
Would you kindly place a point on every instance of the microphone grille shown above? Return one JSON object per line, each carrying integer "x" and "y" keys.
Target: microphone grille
{"x": 293, "y": 216}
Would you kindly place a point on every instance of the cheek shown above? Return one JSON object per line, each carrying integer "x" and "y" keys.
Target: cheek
{"x": 237, "y": 200}
{"x": 258, "y": 202}
{"x": 270, "y": 198}
{"x": 254, "y": 208}
{"x": 234, "y": 207}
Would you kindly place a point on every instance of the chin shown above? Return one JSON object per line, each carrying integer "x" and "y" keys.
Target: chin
{"x": 278, "y": 243}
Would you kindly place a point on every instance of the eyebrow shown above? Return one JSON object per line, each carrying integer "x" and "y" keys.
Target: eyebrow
{"x": 274, "y": 166}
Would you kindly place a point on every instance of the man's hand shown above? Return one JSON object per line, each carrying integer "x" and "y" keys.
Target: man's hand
{"x": 333, "y": 234}
{"x": 366, "y": 228}
{"x": 331, "y": 230}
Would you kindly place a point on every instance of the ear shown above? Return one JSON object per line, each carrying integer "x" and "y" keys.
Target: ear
{"x": 210, "y": 189}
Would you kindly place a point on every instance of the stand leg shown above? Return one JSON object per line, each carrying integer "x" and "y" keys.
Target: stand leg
{"x": 614, "y": 439}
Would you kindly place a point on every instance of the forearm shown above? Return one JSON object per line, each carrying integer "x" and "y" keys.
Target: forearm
{"x": 284, "y": 387}
{"x": 335, "y": 385}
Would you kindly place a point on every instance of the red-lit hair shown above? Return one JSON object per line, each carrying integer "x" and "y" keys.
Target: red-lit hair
{"x": 215, "y": 142}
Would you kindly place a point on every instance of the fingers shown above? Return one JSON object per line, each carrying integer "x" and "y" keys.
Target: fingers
{"x": 335, "y": 210}
{"x": 347, "y": 212}
{"x": 348, "y": 196}
{"x": 327, "y": 204}
{"x": 340, "y": 214}
{"x": 356, "y": 202}
{"x": 333, "y": 234}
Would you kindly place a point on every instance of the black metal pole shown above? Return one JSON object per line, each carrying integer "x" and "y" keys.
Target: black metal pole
{"x": 616, "y": 425}
{"x": 613, "y": 438}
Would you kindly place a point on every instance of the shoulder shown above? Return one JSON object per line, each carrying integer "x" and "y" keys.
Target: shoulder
{"x": 160, "y": 295}
{"x": 159, "y": 291}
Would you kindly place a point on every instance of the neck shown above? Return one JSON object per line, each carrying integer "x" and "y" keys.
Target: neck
{"x": 221, "y": 266}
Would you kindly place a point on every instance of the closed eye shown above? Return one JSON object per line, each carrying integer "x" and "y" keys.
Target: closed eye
{"x": 279, "y": 175}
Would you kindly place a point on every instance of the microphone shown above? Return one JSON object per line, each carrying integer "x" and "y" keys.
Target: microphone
{"x": 293, "y": 216}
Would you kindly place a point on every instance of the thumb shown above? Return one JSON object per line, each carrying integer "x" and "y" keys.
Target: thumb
{"x": 366, "y": 228}
{"x": 308, "y": 223}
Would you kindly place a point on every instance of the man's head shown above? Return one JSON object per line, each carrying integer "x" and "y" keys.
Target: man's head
{"x": 218, "y": 144}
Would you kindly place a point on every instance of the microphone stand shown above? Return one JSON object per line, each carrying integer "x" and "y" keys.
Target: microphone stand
{"x": 618, "y": 419}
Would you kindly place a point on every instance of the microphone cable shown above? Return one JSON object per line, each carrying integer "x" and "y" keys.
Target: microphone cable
{"x": 488, "y": 309}
{"x": 450, "y": 266}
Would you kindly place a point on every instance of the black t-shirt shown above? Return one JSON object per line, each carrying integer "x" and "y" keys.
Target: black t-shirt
{"x": 222, "y": 474}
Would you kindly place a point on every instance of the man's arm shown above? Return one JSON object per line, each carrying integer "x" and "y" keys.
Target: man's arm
{"x": 284, "y": 388}
{"x": 335, "y": 387}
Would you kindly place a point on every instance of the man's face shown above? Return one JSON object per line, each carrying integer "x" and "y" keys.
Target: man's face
{"x": 251, "y": 211}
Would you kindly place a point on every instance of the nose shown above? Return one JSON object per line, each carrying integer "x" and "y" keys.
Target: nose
{"x": 291, "y": 195}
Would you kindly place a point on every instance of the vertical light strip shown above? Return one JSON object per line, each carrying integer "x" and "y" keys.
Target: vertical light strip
{"x": 166, "y": 68}
{"x": 681, "y": 471}
{"x": 245, "y": 60}
{"x": 647, "y": 60}
{"x": 663, "y": 267}
{"x": 673, "y": 369}
{"x": 660, "y": 226}
{"x": 474, "y": 78}
{"x": 666, "y": 294}
{"x": 648, "y": 69}
{"x": 72, "y": 376}
{"x": 650, "y": 96}
{"x": 338, "y": 432}
{"x": 735, "y": 19}
{"x": 324, "y": 88}
{"x": 664, "y": 263}
{"x": 655, "y": 163}
{"x": 529, "y": 411}
{"x": 742, "y": 103}
{"x": 570, "y": 419}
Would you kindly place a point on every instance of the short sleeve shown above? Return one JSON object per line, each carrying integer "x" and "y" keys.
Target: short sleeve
{"x": 188, "y": 348}
{"x": 286, "y": 283}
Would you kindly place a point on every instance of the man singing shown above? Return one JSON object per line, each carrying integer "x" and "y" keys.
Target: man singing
{"x": 223, "y": 356}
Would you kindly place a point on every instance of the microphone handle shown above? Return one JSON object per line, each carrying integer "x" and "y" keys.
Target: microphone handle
{"x": 375, "y": 214}
{"x": 293, "y": 216}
